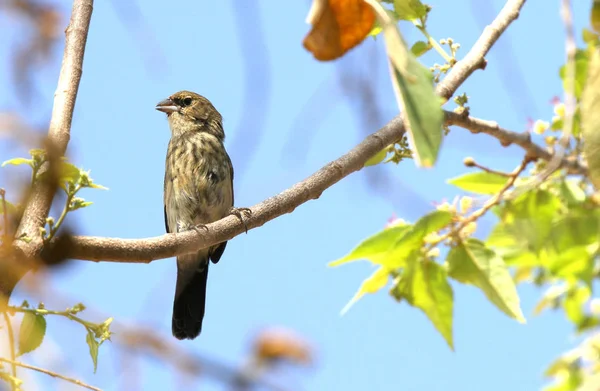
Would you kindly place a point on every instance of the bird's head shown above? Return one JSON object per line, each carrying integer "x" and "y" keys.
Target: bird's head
{"x": 191, "y": 112}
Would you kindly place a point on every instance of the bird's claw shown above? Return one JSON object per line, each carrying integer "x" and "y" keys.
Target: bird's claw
{"x": 198, "y": 227}
{"x": 240, "y": 213}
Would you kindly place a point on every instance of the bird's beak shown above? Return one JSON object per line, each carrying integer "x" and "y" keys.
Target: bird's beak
{"x": 167, "y": 106}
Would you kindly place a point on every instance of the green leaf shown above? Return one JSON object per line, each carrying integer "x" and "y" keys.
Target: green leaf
{"x": 375, "y": 247}
{"x": 78, "y": 203}
{"x": 18, "y": 161}
{"x": 575, "y": 262}
{"x": 571, "y": 192}
{"x": 529, "y": 217}
{"x": 15, "y": 381}
{"x": 432, "y": 222}
{"x": 10, "y": 208}
{"x": 373, "y": 284}
{"x": 480, "y": 182}
{"x": 377, "y": 27}
{"x": 421, "y": 106}
{"x": 425, "y": 286}
{"x": 595, "y": 16}
{"x": 375, "y": 31}
{"x": 97, "y": 186}
{"x": 551, "y": 298}
{"x": 377, "y": 158}
{"x": 572, "y": 243}
{"x": 93, "y": 345}
{"x": 513, "y": 249}
{"x": 419, "y": 48}
{"x": 412, "y": 241}
{"x": 410, "y": 9}
{"x": 573, "y": 304}
{"x": 31, "y": 332}
{"x": 472, "y": 263}
{"x": 569, "y": 377}
{"x": 69, "y": 173}
{"x": 413, "y": 87}
{"x": 581, "y": 72}
{"x": 590, "y": 118}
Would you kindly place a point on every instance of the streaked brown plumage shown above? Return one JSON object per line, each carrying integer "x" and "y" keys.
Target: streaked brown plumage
{"x": 198, "y": 190}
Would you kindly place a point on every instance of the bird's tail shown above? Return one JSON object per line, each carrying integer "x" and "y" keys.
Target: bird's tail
{"x": 190, "y": 296}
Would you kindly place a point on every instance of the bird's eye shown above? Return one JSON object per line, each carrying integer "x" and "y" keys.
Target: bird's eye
{"x": 187, "y": 101}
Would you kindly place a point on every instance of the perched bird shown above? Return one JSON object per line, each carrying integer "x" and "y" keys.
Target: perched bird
{"x": 198, "y": 190}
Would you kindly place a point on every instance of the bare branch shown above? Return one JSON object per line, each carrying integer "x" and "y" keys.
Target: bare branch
{"x": 165, "y": 246}
{"x": 475, "y": 58}
{"x": 50, "y": 373}
{"x": 507, "y": 137}
{"x": 42, "y": 192}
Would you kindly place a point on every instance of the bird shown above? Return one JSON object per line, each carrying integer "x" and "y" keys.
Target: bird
{"x": 198, "y": 190}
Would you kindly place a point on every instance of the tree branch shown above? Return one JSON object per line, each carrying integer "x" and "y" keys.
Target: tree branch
{"x": 43, "y": 191}
{"x": 50, "y": 373}
{"x": 169, "y": 245}
{"x": 507, "y": 137}
{"x": 475, "y": 59}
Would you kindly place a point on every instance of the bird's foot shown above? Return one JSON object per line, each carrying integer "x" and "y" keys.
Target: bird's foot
{"x": 198, "y": 227}
{"x": 241, "y": 213}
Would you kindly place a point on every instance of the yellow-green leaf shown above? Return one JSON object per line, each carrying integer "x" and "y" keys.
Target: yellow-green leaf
{"x": 69, "y": 172}
{"x": 377, "y": 158}
{"x": 413, "y": 87}
{"x": 18, "y": 161}
{"x": 470, "y": 262}
{"x": 595, "y": 15}
{"x": 10, "y": 208}
{"x": 375, "y": 247}
{"x": 581, "y": 71}
{"x": 425, "y": 286}
{"x": 529, "y": 217}
{"x": 373, "y": 284}
{"x": 574, "y": 302}
{"x": 412, "y": 240}
{"x": 551, "y": 298}
{"x": 93, "y": 345}
{"x": 421, "y": 106}
{"x": 590, "y": 118}
{"x": 419, "y": 48}
{"x": 31, "y": 332}
{"x": 432, "y": 222}
{"x": 512, "y": 248}
{"x": 571, "y": 192}
{"x": 410, "y": 9}
{"x": 480, "y": 182}
{"x": 97, "y": 186}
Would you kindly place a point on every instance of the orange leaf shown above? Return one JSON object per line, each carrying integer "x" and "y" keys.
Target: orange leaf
{"x": 338, "y": 26}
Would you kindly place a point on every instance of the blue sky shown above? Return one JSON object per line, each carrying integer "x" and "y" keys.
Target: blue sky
{"x": 277, "y": 274}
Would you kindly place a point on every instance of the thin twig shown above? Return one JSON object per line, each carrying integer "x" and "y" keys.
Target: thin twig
{"x": 495, "y": 200}
{"x": 507, "y": 137}
{"x": 50, "y": 373}
{"x": 66, "y": 314}
{"x": 492, "y": 171}
{"x": 11, "y": 345}
{"x": 434, "y": 43}
{"x": 569, "y": 98}
{"x": 475, "y": 59}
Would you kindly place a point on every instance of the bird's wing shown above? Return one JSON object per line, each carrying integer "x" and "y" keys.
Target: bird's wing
{"x": 215, "y": 256}
{"x": 168, "y": 193}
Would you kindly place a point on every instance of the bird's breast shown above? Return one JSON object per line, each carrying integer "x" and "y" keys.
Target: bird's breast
{"x": 200, "y": 180}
